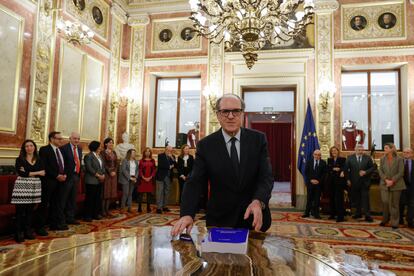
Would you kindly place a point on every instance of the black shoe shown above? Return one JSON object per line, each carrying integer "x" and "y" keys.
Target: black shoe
{"x": 305, "y": 215}
{"x": 401, "y": 221}
{"x": 331, "y": 217}
{"x": 19, "y": 237}
{"x": 28, "y": 235}
{"x": 410, "y": 225}
{"x": 165, "y": 209}
{"x": 148, "y": 209}
{"x": 395, "y": 227}
{"x": 139, "y": 209}
{"x": 382, "y": 224}
{"x": 87, "y": 219}
{"x": 317, "y": 217}
{"x": 41, "y": 232}
{"x": 98, "y": 217}
{"x": 356, "y": 216}
{"x": 340, "y": 219}
{"x": 159, "y": 211}
{"x": 73, "y": 222}
{"x": 61, "y": 227}
{"x": 369, "y": 219}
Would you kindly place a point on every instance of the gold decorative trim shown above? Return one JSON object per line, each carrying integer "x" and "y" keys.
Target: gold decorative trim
{"x": 114, "y": 77}
{"x": 43, "y": 60}
{"x": 136, "y": 81}
{"x": 19, "y": 64}
{"x": 372, "y": 31}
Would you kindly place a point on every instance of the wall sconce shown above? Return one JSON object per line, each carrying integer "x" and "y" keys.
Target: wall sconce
{"x": 125, "y": 97}
{"x": 75, "y": 32}
{"x": 48, "y": 8}
{"x": 212, "y": 96}
{"x": 327, "y": 90}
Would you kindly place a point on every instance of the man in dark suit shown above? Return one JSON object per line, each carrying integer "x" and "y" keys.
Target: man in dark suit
{"x": 166, "y": 162}
{"x": 72, "y": 154}
{"x": 235, "y": 162}
{"x": 314, "y": 171}
{"x": 407, "y": 196}
{"x": 51, "y": 185}
{"x": 358, "y": 170}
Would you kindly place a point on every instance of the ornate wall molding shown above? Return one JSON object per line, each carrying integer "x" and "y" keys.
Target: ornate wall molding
{"x": 324, "y": 69}
{"x": 138, "y": 38}
{"x": 114, "y": 71}
{"x": 42, "y": 70}
{"x": 215, "y": 82}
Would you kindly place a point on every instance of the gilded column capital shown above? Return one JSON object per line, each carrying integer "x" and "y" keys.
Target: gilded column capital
{"x": 326, "y": 6}
{"x": 119, "y": 13}
{"x": 138, "y": 20}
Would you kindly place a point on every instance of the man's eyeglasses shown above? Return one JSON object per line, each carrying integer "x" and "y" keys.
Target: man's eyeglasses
{"x": 226, "y": 112}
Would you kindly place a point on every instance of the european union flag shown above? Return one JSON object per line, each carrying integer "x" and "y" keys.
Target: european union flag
{"x": 309, "y": 142}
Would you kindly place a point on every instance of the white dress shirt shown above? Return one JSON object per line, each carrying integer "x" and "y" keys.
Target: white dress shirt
{"x": 228, "y": 142}
{"x": 132, "y": 167}
{"x": 58, "y": 155}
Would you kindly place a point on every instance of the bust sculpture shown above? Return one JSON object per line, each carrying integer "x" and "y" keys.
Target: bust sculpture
{"x": 122, "y": 148}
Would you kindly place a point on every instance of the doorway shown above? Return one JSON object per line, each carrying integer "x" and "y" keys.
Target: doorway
{"x": 277, "y": 121}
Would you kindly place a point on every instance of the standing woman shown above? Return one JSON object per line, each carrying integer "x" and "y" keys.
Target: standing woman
{"x": 184, "y": 166}
{"x": 147, "y": 171}
{"x": 27, "y": 189}
{"x": 110, "y": 186}
{"x": 128, "y": 178}
{"x": 391, "y": 171}
{"x": 94, "y": 178}
{"x": 336, "y": 166}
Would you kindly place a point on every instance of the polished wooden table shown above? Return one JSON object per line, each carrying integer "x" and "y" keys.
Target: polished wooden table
{"x": 150, "y": 251}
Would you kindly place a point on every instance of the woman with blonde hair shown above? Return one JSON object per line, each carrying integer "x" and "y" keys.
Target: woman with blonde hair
{"x": 147, "y": 171}
{"x": 391, "y": 171}
{"x": 128, "y": 177}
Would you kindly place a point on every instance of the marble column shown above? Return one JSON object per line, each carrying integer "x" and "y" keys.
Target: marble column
{"x": 324, "y": 49}
{"x": 42, "y": 71}
{"x": 119, "y": 18}
{"x": 134, "y": 116}
{"x": 215, "y": 83}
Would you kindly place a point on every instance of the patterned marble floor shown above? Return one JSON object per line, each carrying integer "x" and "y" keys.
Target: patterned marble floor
{"x": 381, "y": 247}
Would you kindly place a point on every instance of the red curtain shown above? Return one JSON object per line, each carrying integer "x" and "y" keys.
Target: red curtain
{"x": 279, "y": 139}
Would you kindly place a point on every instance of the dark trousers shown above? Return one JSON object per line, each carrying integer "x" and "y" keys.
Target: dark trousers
{"x": 181, "y": 183}
{"x": 313, "y": 199}
{"x": 70, "y": 193}
{"x": 93, "y": 200}
{"x": 24, "y": 213}
{"x": 336, "y": 198}
{"x": 407, "y": 200}
{"x": 49, "y": 210}
{"x": 360, "y": 197}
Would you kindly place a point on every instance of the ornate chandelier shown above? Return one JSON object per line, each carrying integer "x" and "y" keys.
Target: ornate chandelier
{"x": 75, "y": 33}
{"x": 250, "y": 24}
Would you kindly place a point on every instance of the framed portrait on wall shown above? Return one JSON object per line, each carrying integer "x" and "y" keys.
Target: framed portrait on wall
{"x": 79, "y": 4}
{"x": 387, "y": 20}
{"x": 358, "y": 22}
{"x": 165, "y": 35}
{"x": 97, "y": 15}
{"x": 187, "y": 34}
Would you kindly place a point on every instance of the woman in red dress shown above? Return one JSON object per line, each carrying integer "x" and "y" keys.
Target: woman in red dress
{"x": 147, "y": 172}
{"x": 110, "y": 185}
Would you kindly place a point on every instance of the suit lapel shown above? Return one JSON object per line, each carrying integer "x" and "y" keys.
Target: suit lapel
{"x": 53, "y": 154}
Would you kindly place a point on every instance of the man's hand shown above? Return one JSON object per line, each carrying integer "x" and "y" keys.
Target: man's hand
{"x": 314, "y": 181}
{"x": 113, "y": 173}
{"x": 348, "y": 182}
{"x": 336, "y": 169}
{"x": 61, "y": 177}
{"x": 389, "y": 182}
{"x": 342, "y": 174}
{"x": 185, "y": 222}
{"x": 255, "y": 208}
{"x": 362, "y": 173}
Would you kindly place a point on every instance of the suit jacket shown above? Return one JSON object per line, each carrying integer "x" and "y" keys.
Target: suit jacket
{"x": 315, "y": 173}
{"x": 394, "y": 171}
{"x": 180, "y": 165}
{"x": 67, "y": 152}
{"x": 334, "y": 175}
{"x": 230, "y": 195}
{"x": 124, "y": 173}
{"x": 163, "y": 168}
{"x": 92, "y": 166}
{"x": 352, "y": 168}
{"x": 410, "y": 185}
{"x": 48, "y": 156}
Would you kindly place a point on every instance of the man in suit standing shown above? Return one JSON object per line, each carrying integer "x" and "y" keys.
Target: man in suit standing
{"x": 166, "y": 162}
{"x": 358, "y": 170}
{"x": 314, "y": 171}
{"x": 52, "y": 184}
{"x": 72, "y": 154}
{"x": 235, "y": 161}
{"x": 407, "y": 196}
